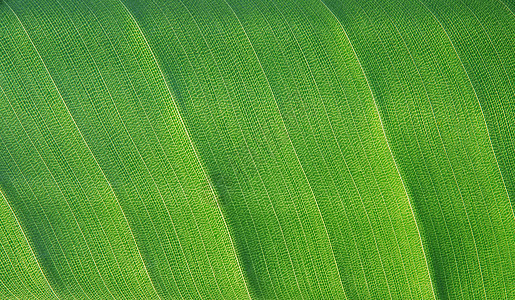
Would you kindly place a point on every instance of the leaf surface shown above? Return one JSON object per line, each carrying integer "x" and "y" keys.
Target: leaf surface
{"x": 266, "y": 149}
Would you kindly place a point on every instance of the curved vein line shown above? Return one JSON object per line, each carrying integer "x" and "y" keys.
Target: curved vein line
{"x": 19, "y": 169}
{"x": 280, "y": 227}
{"x": 279, "y": 110}
{"x": 434, "y": 155}
{"x": 459, "y": 58}
{"x": 101, "y": 170}
{"x": 89, "y": 250}
{"x": 27, "y": 241}
{"x": 108, "y": 183}
{"x": 402, "y": 182}
{"x": 479, "y": 102}
{"x": 389, "y": 148}
{"x": 138, "y": 152}
{"x": 192, "y": 146}
{"x": 110, "y": 187}
{"x": 507, "y": 7}
{"x": 357, "y": 190}
{"x": 144, "y": 265}
{"x": 144, "y": 163}
{"x": 323, "y": 158}
{"x": 291, "y": 143}
{"x": 445, "y": 151}
{"x": 486, "y": 124}
{"x": 225, "y": 86}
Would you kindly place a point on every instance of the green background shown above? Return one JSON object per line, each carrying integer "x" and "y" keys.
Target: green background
{"x": 257, "y": 149}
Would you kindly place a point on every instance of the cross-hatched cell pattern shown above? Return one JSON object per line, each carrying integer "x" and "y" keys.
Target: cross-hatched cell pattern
{"x": 257, "y": 149}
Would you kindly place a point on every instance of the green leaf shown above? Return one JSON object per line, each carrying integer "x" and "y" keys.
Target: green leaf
{"x": 265, "y": 149}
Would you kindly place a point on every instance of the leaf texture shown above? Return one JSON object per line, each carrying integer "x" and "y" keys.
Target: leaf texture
{"x": 266, "y": 149}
